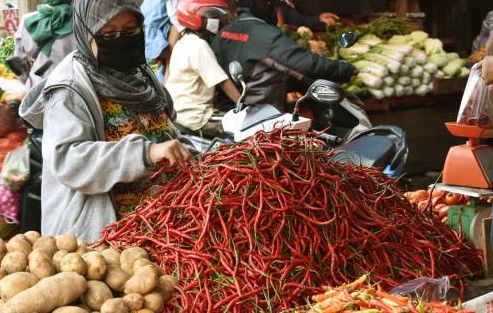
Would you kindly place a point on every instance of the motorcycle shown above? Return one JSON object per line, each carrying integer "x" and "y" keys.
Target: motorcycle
{"x": 348, "y": 128}
{"x": 337, "y": 114}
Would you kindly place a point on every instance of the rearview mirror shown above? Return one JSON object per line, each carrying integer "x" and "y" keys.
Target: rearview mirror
{"x": 348, "y": 39}
{"x": 324, "y": 91}
{"x": 236, "y": 71}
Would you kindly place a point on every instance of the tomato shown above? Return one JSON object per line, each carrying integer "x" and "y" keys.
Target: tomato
{"x": 437, "y": 207}
{"x": 437, "y": 193}
{"x": 420, "y": 195}
{"x": 452, "y": 198}
{"x": 436, "y": 201}
{"x": 443, "y": 212}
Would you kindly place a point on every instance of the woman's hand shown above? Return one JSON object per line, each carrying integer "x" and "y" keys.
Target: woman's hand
{"x": 172, "y": 150}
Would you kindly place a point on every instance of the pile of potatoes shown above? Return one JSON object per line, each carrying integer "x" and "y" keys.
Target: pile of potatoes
{"x": 61, "y": 275}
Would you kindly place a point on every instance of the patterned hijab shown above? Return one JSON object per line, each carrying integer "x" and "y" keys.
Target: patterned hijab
{"x": 139, "y": 90}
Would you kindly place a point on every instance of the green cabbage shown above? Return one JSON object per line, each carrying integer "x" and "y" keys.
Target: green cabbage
{"x": 419, "y": 56}
{"x": 440, "y": 59}
{"x": 370, "y": 40}
{"x": 371, "y": 67}
{"x": 370, "y": 80}
{"x": 419, "y": 36}
{"x": 454, "y": 67}
{"x": 433, "y": 46}
{"x": 399, "y": 40}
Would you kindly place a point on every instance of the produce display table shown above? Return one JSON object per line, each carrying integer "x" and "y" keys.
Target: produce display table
{"x": 423, "y": 119}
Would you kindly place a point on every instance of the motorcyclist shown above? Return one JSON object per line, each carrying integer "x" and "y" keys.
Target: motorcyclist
{"x": 269, "y": 58}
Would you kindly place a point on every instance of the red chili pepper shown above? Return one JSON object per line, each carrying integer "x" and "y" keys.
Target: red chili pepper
{"x": 261, "y": 224}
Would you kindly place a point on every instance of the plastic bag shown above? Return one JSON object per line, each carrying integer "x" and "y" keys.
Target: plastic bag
{"x": 10, "y": 203}
{"x": 16, "y": 169}
{"x": 424, "y": 288}
{"x": 476, "y": 107}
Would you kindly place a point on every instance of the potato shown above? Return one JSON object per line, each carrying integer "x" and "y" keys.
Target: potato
{"x": 116, "y": 278}
{"x": 17, "y": 237}
{"x": 134, "y": 301}
{"x": 3, "y": 273}
{"x": 84, "y": 247}
{"x": 73, "y": 262}
{"x": 69, "y": 309}
{"x": 141, "y": 263}
{"x": 14, "y": 262}
{"x": 96, "y": 294}
{"x": 19, "y": 244}
{"x": 114, "y": 306}
{"x": 96, "y": 265}
{"x": 129, "y": 256}
{"x": 40, "y": 264}
{"x": 154, "y": 301}
{"x": 144, "y": 311}
{"x": 166, "y": 286}
{"x": 85, "y": 307}
{"x": 14, "y": 283}
{"x": 3, "y": 249}
{"x": 48, "y": 294}
{"x": 82, "y": 243}
{"x": 66, "y": 242}
{"x": 32, "y": 236}
{"x": 111, "y": 256}
{"x": 57, "y": 259}
{"x": 48, "y": 244}
{"x": 144, "y": 281}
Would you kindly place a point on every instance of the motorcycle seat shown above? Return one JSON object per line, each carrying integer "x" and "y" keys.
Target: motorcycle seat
{"x": 375, "y": 151}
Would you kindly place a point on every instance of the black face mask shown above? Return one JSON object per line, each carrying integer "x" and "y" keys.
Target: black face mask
{"x": 123, "y": 54}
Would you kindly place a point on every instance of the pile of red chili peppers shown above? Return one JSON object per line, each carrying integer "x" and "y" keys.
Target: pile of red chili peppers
{"x": 259, "y": 225}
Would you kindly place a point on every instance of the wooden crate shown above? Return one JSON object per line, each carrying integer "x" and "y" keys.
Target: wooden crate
{"x": 444, "y": 86}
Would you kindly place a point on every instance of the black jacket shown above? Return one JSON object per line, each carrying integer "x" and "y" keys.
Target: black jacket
{"x": 269, "y": 58}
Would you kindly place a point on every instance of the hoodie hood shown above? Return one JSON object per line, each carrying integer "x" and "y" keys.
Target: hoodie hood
{"x": 69, "y": 74}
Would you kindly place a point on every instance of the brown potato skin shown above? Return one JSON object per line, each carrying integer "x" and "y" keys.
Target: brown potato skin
{"x": 73, "y": 262}
{"x": 116, "y": 278}
{"x": 66, "y": 242}
{"x": 40, "y": 264}
{"x": 129, "y": 256}
{"x": 96, "y": 294}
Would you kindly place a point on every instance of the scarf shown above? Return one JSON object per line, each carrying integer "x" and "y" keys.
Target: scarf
{"x": 53, "y": 21}
{"x": 138, "y": 90}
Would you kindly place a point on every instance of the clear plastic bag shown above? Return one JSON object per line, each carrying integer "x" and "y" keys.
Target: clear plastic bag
{"x": 10, "y": 204}
{"x": 425, "y": 288}
{"x": 16, "y": 169}
{"x": 476, "y": 107}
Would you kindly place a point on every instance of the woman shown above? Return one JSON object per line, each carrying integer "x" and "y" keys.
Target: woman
{"x": 44, "y": 38}
{"x": 103, "y": 113}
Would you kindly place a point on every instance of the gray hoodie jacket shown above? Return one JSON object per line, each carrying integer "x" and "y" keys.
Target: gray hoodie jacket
{"x": 79, "y": 166}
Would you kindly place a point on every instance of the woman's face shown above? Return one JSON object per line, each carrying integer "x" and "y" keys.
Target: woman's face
{"x": 123, "y": 22}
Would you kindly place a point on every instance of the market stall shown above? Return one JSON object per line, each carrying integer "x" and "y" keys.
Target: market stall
{"x": 279, "y": 222}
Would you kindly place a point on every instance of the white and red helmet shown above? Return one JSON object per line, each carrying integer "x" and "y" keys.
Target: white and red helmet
{"x": 202, "y": 14}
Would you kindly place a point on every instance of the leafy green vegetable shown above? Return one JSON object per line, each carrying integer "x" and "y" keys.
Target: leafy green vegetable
{"x": 7, "y": 45}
